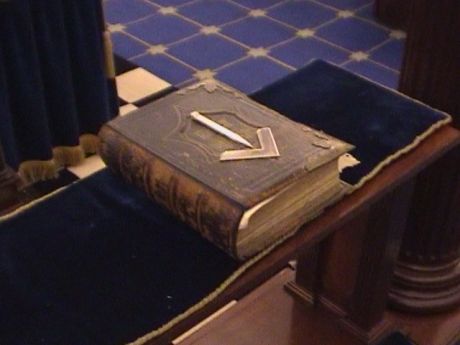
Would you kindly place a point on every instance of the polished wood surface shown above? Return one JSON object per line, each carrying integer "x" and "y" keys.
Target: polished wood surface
{"x": 271, "y": 316}
{"x": 355, "y": 267}
{"x": 394, "y": 175}
{"x": 429, "y": 329}
{"x": 431, "y": 65}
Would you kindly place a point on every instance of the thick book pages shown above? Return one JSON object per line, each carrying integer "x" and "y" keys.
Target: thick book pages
{"x": 237, "y": 172}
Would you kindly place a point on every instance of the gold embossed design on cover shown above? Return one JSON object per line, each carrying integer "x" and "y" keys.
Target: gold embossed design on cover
{"x": 240, "y": 205}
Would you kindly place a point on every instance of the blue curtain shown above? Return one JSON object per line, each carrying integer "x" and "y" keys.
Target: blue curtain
{"x": 56, "y": 83}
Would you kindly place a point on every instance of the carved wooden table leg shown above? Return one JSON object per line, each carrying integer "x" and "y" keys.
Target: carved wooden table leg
{"x": 9, "y": 182}
{"x": 432, "y": 60}
{"x": 350, "y": 273}
{"x": 427, "y": 277}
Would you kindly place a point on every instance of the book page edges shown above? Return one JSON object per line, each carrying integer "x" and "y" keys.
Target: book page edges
{"x": 287, "y": 208}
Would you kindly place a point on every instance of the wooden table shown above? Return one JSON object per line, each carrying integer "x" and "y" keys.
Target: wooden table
{"x": 346, "y": 256}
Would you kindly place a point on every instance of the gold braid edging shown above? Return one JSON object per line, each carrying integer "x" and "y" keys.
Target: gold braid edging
{"x": 39, "y": 170}
{"x": 418, "y": 139}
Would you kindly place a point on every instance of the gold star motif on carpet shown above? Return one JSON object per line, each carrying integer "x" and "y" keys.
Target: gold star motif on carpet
{"x": 305, "y": 33}
{"x": 210, "y": 30}
{"x": 167, "y": 10}
{"x": 397, "y": 34}
{"x": 116, "y": 27}
{"x": 359, "y": 56}
{"x": 345, "y": 14}
{"x": 258, "y": 52}
{"x": 257, "y": 13}
{"x": 158, "y": 49}
{"x": 204, "y": 74}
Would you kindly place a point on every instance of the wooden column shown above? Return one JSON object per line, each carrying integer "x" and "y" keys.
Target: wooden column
{"x": 427, "y": 276}
{"x": 9, "y": 182}
{"x": 350, "y": 273}
{"x": 431, "y": 65}
{"x": 393, "y": 13}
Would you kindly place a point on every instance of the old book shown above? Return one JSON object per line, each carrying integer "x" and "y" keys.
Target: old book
{"x": 241, "y": 174}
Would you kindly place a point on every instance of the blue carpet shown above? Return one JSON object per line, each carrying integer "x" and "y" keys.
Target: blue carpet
{"x": 251, "y": 43}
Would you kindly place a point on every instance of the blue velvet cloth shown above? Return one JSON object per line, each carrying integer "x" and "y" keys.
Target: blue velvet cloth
{"x": 47, "y": 98}
{"x": 99, "y": 263}
{"x": 377, "y": 121}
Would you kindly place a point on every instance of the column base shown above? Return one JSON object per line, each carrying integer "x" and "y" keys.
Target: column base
{"x": 426, "y": 289}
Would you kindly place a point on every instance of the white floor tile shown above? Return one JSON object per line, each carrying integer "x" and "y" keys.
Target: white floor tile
{"x": 138, "y": 84}
{"x": 89, "y": 166}
{"x": 127, "y": 108}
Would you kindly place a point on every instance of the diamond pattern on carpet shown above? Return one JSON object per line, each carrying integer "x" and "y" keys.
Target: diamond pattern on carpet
{"x": 182, "y": 41}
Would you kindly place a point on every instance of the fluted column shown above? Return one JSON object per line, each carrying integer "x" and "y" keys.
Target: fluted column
{"x": 427, "y": 277}
{"x": 431, "y": 65}
{"x": 393, "y": 13}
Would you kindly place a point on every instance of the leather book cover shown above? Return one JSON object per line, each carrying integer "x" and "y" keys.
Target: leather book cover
{"x": 178, "y": 160}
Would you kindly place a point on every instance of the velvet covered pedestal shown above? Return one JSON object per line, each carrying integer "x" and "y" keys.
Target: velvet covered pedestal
{"x": 344, "y": 265}
{"x": 434, "y": 200}
{"x": 341, "y": 275}
{"x": 99, "y": 263}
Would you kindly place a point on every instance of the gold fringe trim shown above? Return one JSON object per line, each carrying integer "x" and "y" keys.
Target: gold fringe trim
{"x": 33, "y": 171}
{"x": 90, "y": 143}
{"x": 418, "y": 139}
{"x": 108, "y": 54}
{"x": 68, "y": 155}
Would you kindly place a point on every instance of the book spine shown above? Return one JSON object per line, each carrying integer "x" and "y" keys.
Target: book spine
{"x": 205, "y": 210}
